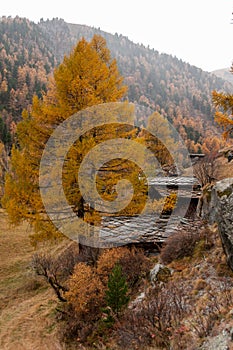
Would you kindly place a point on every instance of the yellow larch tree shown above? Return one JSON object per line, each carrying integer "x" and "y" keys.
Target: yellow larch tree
{"x": 88, "y": 76}
{"x": 224, "y": 110}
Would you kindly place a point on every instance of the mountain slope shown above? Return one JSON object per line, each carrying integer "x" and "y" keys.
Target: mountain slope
{"x": 161, "y": 82}
{"x": 158, "y": 81}
{"x": 25, "y": 62}
{"x": 153, "y": 78}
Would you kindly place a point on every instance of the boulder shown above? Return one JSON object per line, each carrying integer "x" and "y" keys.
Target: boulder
{"x": 159, "y": 273}
{"x": 221, "y": 211}
{"x": 204, "y": 207}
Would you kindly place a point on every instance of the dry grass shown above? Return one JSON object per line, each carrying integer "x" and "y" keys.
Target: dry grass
{"x": 27, "y": 306}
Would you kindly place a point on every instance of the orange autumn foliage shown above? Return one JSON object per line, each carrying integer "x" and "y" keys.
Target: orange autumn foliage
{"x": 224, "y": 110}
{"x": 87, "y": 77}
{"x": 86, "y": 291}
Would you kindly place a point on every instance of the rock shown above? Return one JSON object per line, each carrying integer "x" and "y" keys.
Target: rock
{"x": 137, "y": 301}
{"x": 219, "y": 342}
{"x": 205, "y": 207}
{"x": 221, "y": 211}
{"x": 159, "y": 273}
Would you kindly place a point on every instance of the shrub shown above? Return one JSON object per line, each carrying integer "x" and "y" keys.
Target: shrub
{"x": 86, "y": 291}
{"x": 205, "y": 243}
{"x": 134, "y": 264}
{"x": 97, "y": 294}
{"x": 178, "y": 246}
{"x": 108, "y": 260}
{"x": 153, "y": 321}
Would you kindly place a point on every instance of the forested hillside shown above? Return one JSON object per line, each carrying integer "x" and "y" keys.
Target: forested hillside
{"x": 179, "y": 91}
{"x": 25, "y": 63}
{"x": 162, "y": 82}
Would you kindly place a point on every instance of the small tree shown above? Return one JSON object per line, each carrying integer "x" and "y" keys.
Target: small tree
{"x": 57, "y": 268}
{"x": 205, "y": 169}
{"x": 116, "y": 294}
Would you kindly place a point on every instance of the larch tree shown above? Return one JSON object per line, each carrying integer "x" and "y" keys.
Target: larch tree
{"x": 224, "y": 110}
{"x": 88, "y": 76}
{"x": 160, "y": 138}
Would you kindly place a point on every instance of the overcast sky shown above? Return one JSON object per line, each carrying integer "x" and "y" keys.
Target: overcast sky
{"x": 197, "y": 31}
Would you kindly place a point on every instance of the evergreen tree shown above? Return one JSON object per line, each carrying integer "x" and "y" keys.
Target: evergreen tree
{"x": 116, "y": 294}
{"x": 5, "y": 135}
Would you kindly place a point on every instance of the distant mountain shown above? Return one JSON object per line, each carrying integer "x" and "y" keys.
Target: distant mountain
{"x": 224, "y": 74}
{"x": 154, "y": 79}
{"x": 29, "y": 52}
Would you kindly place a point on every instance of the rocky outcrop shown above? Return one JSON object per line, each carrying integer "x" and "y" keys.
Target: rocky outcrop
{"x": 218, "y": 207}
{"x": 160, "y": 273}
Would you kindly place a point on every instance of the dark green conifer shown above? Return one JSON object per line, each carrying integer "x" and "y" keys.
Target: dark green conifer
{"x": 116, "y": 294}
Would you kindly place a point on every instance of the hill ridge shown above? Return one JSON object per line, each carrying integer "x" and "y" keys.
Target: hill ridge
{"x": 158, "y": 81}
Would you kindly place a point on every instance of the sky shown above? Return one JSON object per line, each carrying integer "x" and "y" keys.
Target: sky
{"x": 197, "y": 31}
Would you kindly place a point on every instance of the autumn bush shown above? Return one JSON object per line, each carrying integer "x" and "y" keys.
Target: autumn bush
{"x": 87, "y": 312}
{"x": 134, "y": 263}
{"x": 154, "y": 320}
{"x": 79, "y": 317}
{"x": 88, "y": 284}
{"x": 108, "y": 260}
{"x": 135, "y": 267}
{"x": 86, "y": 291}
{"x": 74, "y": 329}
{"x": 179, "y": 245}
